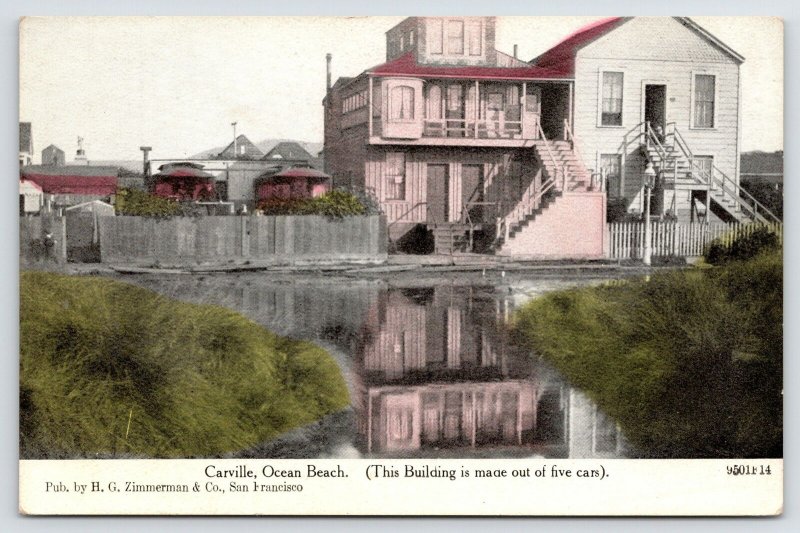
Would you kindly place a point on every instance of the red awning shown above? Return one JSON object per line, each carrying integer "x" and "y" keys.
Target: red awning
{"x": 407, "y": 65}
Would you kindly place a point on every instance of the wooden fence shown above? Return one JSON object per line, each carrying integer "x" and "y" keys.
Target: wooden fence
{"x": 184, "y": 241}
{"x": 626, "y": 239}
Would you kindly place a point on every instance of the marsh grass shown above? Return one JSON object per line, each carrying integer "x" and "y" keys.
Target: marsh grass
{"x": 688, "y": 362}
{"x": 100, "y": 359}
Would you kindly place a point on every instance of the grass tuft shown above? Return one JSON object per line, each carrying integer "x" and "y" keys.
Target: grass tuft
{"x": 689, "y": 363}
{"x": 194, "y": 380}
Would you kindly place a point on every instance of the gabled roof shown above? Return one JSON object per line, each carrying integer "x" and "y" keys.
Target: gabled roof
{"x": 406, "y": 65}
{"x": 72, "y": 179}
{"x": 53, "y": 147}
{"x": 288, "y": 150}
{"x": 250, "y": 151}
{"x": 561, "y": 57}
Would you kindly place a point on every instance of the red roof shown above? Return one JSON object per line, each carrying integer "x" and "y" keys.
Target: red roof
{"x": 300, "y": 172}
{"x": 561, "y": 58}
{"x": 72, "y": 184}
{"x": 183, "y": 170}
{"x": 407, "y": 65}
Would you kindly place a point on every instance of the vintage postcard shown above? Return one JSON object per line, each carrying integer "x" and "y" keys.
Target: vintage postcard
{"x": 426, "y": 265}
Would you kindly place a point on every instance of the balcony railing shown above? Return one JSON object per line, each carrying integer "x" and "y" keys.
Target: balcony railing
{"x": 474, "y": 129}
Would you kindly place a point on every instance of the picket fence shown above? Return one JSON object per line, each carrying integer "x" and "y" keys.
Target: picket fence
{"x": 626, "y": 239}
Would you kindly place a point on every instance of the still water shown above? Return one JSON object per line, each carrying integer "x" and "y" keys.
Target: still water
{"x": 430, "y": 364}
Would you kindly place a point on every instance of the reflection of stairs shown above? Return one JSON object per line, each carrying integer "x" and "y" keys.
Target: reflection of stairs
{"x": 450, "y": 237}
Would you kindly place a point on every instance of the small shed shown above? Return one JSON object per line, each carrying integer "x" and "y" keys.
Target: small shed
{"x": 96, "y": 207}
{"x": 293, "y": 183}
{"x": 184, "y": 181}
{"x": 31, "y": 197}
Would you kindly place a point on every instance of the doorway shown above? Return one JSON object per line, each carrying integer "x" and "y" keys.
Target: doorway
{"x": 438, "y": 193}
{"x": 655, "y": 108}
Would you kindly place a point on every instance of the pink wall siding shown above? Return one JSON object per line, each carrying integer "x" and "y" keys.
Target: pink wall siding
{"x": 572, "y": 227}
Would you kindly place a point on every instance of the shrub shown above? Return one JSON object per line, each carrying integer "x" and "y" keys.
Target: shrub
{"x": 689, "y": 363}
{"x": 333, "y": 204}
{"x": 140, "y": 203}
{"x": 745, "y": 247}
{"x": 109, "y": 369}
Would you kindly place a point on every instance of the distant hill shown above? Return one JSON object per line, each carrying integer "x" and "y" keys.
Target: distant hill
{"x": 265, "y": 146}
{"x": 762, "y": 162}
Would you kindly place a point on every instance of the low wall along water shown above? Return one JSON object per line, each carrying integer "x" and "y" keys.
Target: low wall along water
{"x": 233, "y": 239}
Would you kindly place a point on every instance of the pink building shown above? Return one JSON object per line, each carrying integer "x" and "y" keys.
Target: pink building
{"x": 492, "y": 153}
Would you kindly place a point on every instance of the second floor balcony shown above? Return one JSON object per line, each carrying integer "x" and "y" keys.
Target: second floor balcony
{"x": 413, "y": 111}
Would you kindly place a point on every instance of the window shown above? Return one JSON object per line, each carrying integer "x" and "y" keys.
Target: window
{"x": 703, "y": 166}
{"x": 611, "y": 167}
{"x": 401, "y": 103}
{"x": 611, "y": 112}
{"x": 411, "y": 38}
{"x": 354, "y": 101}
{"x": 435, "y": 28}
{"x": 455, "y": 37}
{"x": 704, "y": 93}
{"x": 395, "y": 176}
{"x": 402, "y": 43}
{"x": 242, "y": 149}
{"x": 475, "y": 38}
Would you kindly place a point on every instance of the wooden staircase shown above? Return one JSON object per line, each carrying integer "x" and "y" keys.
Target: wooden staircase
{"x": 562, "y": 172}
{"x": 670, "y": 154}
{"x": 450, "y": 237}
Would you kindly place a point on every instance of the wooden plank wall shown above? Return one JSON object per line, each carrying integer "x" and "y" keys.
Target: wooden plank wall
{"x": 229, "y": 239}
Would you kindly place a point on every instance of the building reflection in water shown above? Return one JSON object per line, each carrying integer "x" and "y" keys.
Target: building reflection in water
{"x": 439, "y": 372}
{"x": 433, "y": 371}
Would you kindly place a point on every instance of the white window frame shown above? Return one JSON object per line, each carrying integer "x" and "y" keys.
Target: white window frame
{"x": 715, "y": 116}
{"x": 388, "y": 176}
{"x": 392, "y": 103}
{"x": 600, "y": 74}
{"x": 436, "y": 26}
{"x": 463, "y": 37}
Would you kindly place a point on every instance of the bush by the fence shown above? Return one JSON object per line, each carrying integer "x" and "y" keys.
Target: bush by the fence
{"x": 334, "y": 204}
{"x": 741, "y": 248}
{"x": 134, "y": 202}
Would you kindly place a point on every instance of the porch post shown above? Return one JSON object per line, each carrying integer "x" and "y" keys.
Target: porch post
{"x": 475, "y": 111}
{"x": 369, "y": 106}
{"x": 569, "y": 110}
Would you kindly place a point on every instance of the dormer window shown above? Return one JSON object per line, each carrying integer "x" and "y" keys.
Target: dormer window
{"x": 475, "y": 38}
{"x": 455, "y": 37}
{"x": 435, "y": 36}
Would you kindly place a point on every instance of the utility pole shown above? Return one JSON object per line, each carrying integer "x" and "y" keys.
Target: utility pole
{"x": 649, "y": 181}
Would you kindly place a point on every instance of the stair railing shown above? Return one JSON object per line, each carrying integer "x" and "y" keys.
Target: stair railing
{"x": 527, "y": 205}
{"x": 557, "y": 168}
{"x": 683, "y": 146}
{"x": 758, "y": 211}
{"x": 718, "y": 179}
{"x": 570, "y": 137}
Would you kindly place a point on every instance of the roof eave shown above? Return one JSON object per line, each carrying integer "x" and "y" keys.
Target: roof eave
{"x": 710, "y": 37}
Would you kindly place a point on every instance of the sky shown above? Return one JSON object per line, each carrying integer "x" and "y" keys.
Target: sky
{"x": 176, "y": 84}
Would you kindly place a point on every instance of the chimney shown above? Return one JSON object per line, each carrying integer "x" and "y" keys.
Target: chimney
{"x": 328, "y": 58}
{"x": 515, "y": 51}
{"x": 146, "y": 160}
{"x": 235, "y": 147}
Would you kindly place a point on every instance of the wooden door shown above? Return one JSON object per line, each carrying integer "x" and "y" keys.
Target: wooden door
{"x": 438, "y": 194}
{"x": 472, "y": 190}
